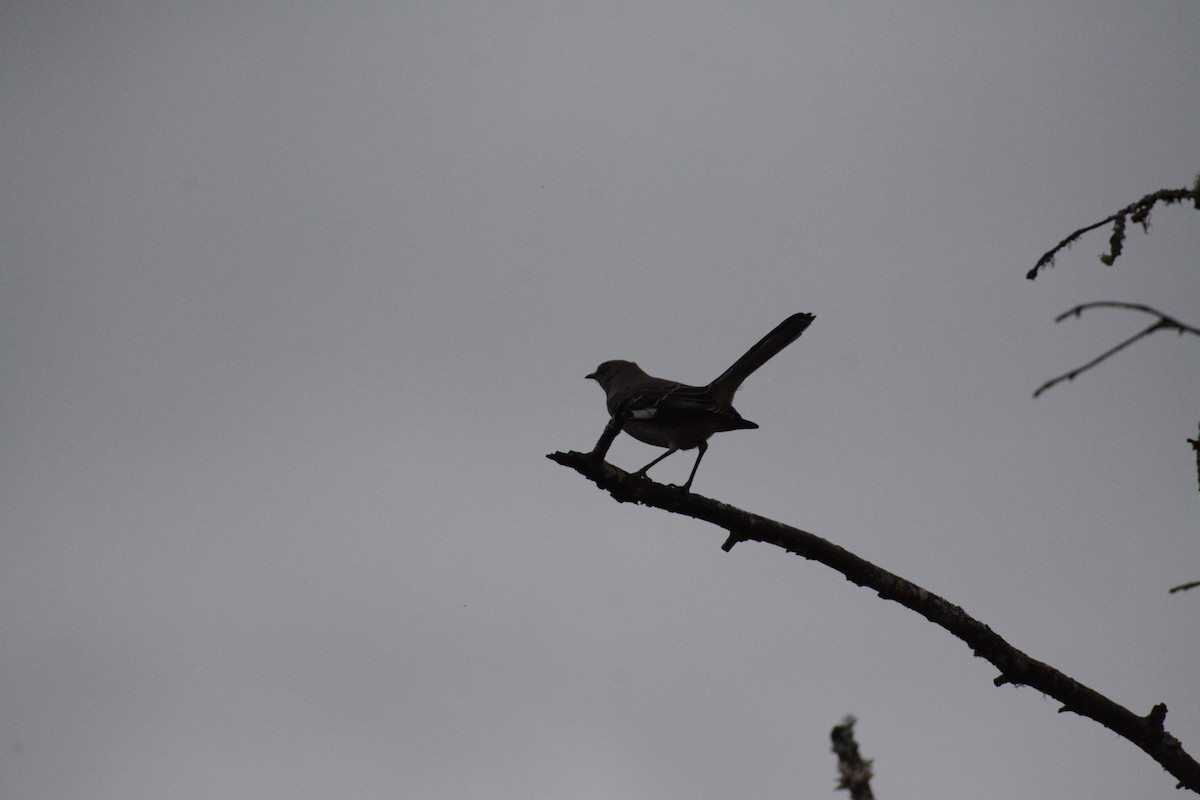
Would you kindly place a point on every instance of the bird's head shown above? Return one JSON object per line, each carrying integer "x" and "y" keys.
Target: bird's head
{"x": 607, "y": 372}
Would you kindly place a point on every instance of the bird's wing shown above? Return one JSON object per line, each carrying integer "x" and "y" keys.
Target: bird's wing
{"x": 676, "y": 402}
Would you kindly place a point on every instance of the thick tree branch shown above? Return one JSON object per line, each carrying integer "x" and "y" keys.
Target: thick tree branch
{"x": 1015, "y": 666}
{"x": 1137, "y": 212}
{"x": 854, "y": 771}
{"x": 1163, "y": 322}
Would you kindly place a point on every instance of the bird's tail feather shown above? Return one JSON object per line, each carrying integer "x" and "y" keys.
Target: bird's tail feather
{"x": 785, "y": 333}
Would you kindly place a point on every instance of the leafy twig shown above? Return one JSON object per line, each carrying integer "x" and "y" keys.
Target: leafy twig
{"x": 854, "y": 771}
{"x": 1137, "y": 212}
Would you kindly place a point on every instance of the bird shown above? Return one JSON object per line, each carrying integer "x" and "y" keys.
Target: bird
{"x": 677, "y": 416}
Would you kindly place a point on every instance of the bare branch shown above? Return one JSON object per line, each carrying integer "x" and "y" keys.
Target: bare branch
{"x": 1164, "y": 322}
{"x": 1138, "y": 212}
{"x": 1015, "y": 667}
{"x": 1183, "y": 587}
{"x": 853, "y": 770}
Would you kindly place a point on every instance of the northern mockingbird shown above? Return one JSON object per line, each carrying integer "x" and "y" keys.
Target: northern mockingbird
{"x": 677, "y": 416}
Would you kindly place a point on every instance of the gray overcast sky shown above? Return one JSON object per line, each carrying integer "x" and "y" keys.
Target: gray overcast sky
{"x": 295, "y": 298}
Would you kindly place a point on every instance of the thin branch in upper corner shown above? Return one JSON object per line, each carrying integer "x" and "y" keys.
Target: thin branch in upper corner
{"x": 1137, "y": 212}
{"x": 854, "y": 771}
{"x": 1163, "y": 322}
{"x": 1183, "y": 587}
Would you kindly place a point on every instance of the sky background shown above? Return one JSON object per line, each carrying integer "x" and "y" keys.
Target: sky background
{"x": 295, "y": 297}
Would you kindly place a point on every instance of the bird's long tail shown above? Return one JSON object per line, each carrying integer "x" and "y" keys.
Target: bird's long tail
{"x": 785, "y": 333}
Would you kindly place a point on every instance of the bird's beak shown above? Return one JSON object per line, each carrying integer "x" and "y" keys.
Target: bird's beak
{"x": 591, "y": 376}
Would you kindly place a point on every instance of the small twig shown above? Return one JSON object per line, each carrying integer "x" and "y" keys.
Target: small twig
{"x": 1047, "y": 259}
{"x": 1138, "y": 212}
{"x": 1183, "y": 587}
{"x": 1195, "y": 443}
{"x": 1164, "y": 322}
{"x": 854, "y": 771}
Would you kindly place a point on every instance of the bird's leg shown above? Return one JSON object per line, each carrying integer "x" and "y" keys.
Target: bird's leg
{"x": 605, "y": 441}
{"x": 641, "y": 473}
{"x": 687, "y": 487}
